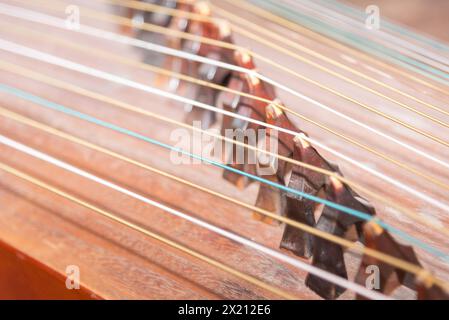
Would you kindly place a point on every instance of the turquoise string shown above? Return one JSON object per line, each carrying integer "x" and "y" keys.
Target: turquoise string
{"x": 386, "y": 24}
{"x": 355, "y": 41}
{"x": 57, "y": 107}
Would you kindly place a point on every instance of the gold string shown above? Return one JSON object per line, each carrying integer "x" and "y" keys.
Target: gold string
{"x": 297, "y": 46}
{"x": 268, "y": 43}
{"x": 163, "y": 30}
{"x": 146, "y": 232}
{"x": 265, "y": 14}
{"x": 27, "y": 32}
{"x": 125, "y": 106}
{"x": 353, "y": 246}
{"x": 292, "y": 26}
{"x": 93, "y": 95}
{"x": 330, "y": 42}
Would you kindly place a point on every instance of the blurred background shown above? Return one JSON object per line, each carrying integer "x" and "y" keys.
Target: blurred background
{"x": 429, "y": 17}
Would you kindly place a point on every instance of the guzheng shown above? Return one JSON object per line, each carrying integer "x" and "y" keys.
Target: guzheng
{"x": 233, "y": 149}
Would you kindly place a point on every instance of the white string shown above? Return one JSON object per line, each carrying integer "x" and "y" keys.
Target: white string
{"x": 37, "y": 17}
{"x": 389, "y": 40}
{"x": 44, "y": 57}
{"x": 232, "y": 236}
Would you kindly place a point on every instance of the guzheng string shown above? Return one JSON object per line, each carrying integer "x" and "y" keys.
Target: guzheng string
{"x": 279, "y": 39}
{"x": 387, "y": 25}
{"x": 296, "y": 45}
{"x": 399, "y": 45}
{"x": 88, "y": 118}
{"x": 333, "y": 44}
{"x": 251, "y": 35}
{"x": 154, "y": 8}
{"x": 227, "y": 234}
{"x": 72, "y": 88}
{"x": 411, "y": 49}
{"x": 348, "y": 38}
{"x": 147, "y": 232}
{"x": 119, "y": 104}
{"x": 188, "y": 36}
{"x": 396, "y": 51}
{"x": 408, "y": 267}
{"x": 98, "y": 52}
{"x": 416, "y": 51}
{"x": 35, "y": 54}
{"x": 59, "y": 23}
{"x": 353, "y": 246}
{"x": 169, "y": 32}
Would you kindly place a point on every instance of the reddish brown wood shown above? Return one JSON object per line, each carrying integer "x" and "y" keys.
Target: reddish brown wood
{"x": 22, "y": 277}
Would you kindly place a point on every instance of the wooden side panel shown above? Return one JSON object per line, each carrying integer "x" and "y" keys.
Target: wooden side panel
{"x": 22, "y": 277}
